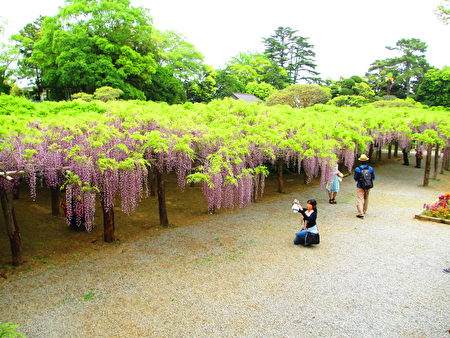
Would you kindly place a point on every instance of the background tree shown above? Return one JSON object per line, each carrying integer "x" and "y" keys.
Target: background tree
{"x": 354, "y": 85}
{"x": 178, "y": 56}
{"x": 300, "y": 96}
{"x": 443, "y": 11}
{"x": 165, "y": 87}
{"x": 246, "y": 68}
{"x": 27, "y": 68}
{"x": 202, "y": 89}
{"x": 434, "y": 89}
{"x": 407, "y": 69}
{"x": 261, "y": 90}
{"x": 91, "y": 44}
{"x": 8, "y": 56}
{"x": 293, "y": 53}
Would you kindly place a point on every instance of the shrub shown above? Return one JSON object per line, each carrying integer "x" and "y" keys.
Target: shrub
{"x": 262, "y": 90}
{"x": 300, "y": 96}
{"x": 408, "y": 102}
{"x": 349, "y": 100}
{"x": 83, "y": 97}
{"x": 9, "y": 330}
{"x": 363, "y": 89}
{"x": 107, "y": 93}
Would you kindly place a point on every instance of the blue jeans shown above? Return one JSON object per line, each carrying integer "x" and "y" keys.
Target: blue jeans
{"x": 300, "y": 237}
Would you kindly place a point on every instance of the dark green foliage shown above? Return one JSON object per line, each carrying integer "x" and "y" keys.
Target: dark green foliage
{"x": 348, "y": 100}
{"x": 293, "y": 53}
{"x": 399, "y": 76}
{"x": 348, "y": 83}
{"x": 165, "y": 87}
{"x": 434, "y": 89}
{"x": 91, "y": 44}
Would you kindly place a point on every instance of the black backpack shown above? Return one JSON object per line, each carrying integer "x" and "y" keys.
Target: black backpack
{"x": 365, "y": 178}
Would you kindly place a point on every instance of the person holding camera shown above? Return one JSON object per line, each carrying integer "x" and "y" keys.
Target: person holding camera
{"x": 309, "y": 225}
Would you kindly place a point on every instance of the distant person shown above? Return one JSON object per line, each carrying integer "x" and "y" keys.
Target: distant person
{"x": 364, "y": 177}
{"x": 309, "y": 234}
{"x": 333, "y": 189}
{"x": 405, "y": 152}
{"x": 419, "y": 157}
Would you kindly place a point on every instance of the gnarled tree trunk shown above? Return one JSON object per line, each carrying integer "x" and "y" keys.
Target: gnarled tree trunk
{"x": 11, "y": 227}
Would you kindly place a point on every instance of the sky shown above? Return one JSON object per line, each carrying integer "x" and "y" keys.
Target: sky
{"x": 348, "y": 35}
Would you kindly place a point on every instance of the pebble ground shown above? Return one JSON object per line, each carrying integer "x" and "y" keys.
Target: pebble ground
{"x": 238, "y": 273}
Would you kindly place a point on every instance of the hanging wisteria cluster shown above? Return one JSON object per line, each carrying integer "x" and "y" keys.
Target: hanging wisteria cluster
{"x": 108, "y": 156}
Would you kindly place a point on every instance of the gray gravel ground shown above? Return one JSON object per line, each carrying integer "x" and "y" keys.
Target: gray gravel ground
{"x": 238, "y": 274}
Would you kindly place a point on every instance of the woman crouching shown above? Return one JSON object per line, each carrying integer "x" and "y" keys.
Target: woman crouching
{"x": 309, "y": 228}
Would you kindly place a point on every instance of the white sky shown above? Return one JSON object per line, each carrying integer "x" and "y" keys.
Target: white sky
{"x": 348, "y": 35}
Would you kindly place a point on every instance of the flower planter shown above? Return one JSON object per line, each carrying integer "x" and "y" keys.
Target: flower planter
{"x": 433, "y": 219}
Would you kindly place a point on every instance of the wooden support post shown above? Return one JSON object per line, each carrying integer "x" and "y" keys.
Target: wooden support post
{"x": 395, "y": 149}
{"x": 389, "y": 150}
{"x": 436, "y": 161}
{"x": 426, "y": 176}
{"x": 12, "y": 228}
{"x": 160, "y": 185}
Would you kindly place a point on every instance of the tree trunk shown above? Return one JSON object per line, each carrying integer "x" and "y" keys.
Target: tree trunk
{"x": 108, "y": 224}
{"x": 152, "y": 180}
{"x": 389, "y": 150}
{"x": 426, "y": 176}
{"x": 280, "y": 175}
{"x": 255, "y": 188}
{"x": 396, "y": 149}
{"x": 11, "y": 227}
{"x": 16, "y": 191}
{"x": 379, "y": 153}
{"x": 160, "y": 185}
{"x": 55, "y": 201}
{"x": 436, "y": 161}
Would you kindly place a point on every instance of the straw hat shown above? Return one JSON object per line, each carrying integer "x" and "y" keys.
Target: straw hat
{"x": 363, "y": 158}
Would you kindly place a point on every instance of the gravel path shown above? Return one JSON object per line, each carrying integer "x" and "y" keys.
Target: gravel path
{"x": 238, "y": 273}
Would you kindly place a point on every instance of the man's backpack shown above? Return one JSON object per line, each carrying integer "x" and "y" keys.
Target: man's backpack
{"x": 365, "y": 178}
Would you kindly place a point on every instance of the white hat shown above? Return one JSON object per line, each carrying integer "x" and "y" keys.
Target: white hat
{"x": 363, "y": 158}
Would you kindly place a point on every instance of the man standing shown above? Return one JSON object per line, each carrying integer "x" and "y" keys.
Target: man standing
{"x": 364, "y": 176}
